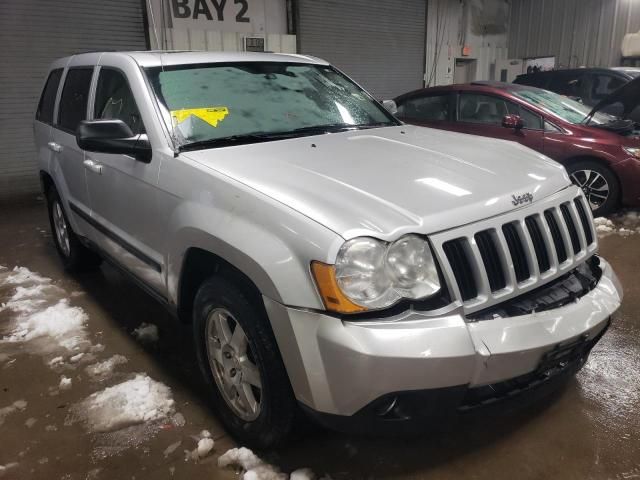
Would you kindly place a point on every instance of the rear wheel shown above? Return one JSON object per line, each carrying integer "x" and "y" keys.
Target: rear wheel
{"x": 74, "y": 255}
{"x": 241, "y": 364}
{"x": 599, "y": 184}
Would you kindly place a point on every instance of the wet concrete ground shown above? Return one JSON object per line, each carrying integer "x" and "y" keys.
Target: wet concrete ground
{"x": 589, "y": 430}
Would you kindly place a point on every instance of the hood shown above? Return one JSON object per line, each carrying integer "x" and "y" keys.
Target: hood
{"x": 628, "y": 96}
{"x": 388, "y": 181}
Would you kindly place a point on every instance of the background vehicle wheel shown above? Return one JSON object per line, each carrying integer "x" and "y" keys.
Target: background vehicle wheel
{"x": 241, "y": 363}
{"x": 599, "y": 185}
{"x": 75, "y": 256}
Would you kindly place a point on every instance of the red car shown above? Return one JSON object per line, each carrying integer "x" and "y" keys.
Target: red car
{"x": 601, "y": 151}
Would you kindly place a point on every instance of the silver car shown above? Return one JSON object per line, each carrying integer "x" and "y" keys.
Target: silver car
{"x": 330, "y": 259}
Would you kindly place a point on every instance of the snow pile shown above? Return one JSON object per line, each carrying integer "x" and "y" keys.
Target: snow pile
{"x": 254, "y": 468}
{"x": 20, "y": 275}
{"x": 133, "y": 402}
{"x": 625, "y": 223}
{"x": 57, "y": 321}
{"x": 40, "y": 314}
{"x": 204, "y": 447}
{"x": 65, "y": 383}
{"x": 102, "y": 370}
{"x": 27, "y": 300}
{"x": 4, "y": 469}
{"x": 14, "y": 407}
{"x": 146, "y": 333}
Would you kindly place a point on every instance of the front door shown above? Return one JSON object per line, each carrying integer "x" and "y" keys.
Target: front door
{"x": 122, "y": 189}
{"x": 482, "y": 114}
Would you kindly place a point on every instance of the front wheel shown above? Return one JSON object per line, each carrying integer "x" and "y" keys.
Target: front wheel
{"x": 599, "y": 184}
{"x": 241, "y": 364}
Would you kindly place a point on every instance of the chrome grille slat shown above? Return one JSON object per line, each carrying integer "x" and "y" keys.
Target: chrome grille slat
{"x": 493, "y": 260}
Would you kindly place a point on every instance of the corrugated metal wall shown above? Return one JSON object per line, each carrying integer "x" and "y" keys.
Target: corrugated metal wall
{"x": 380, "y": 44}
{"x": 577, "y": 32}
{"x": 32, "y": 34}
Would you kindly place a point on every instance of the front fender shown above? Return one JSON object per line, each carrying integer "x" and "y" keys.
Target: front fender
{"x": 271, "y": 247}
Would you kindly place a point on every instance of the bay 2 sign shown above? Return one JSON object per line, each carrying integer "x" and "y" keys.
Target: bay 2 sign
{"x": 223, "y": 15}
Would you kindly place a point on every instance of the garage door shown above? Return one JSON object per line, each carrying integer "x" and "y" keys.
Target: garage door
{"x": 32, "y": 34}
{"x": 378, "y": 43}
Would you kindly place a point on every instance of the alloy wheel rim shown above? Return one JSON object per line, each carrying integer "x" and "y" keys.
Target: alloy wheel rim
{"x": 61, "y": 229}
{"x": 232, "y": 364}
{"x": 595, "y": 187}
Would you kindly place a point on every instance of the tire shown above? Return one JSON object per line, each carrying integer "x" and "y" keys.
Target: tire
{"x": 220, "y": 301}
{"x": 74, "y": 255}
{"x": 599, "y": 184}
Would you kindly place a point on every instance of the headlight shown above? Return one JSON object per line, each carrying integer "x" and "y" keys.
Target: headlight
{"x": 372, "y": 274}
{"x": 633, "y": 151}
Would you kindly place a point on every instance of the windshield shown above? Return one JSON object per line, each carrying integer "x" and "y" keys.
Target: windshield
{"x": 206, "y": 104}
{"x": 561, "y": 106}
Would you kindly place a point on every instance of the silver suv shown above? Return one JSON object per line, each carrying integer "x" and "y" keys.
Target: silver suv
{"x": 329, "y": 258}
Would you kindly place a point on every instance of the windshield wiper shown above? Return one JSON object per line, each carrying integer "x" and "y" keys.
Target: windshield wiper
{"x": 269, "y": 136}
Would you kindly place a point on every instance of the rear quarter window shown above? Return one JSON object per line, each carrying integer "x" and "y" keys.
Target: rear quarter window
{"x": 44, "y": 113}
{"x": 75, "y": 95}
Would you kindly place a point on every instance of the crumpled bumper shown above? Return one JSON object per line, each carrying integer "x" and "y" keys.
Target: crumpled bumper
{"x": 339, "y": 367}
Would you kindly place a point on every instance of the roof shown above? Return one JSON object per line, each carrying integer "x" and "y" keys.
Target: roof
{"x": 485, "y": 86}
{"x": 156, "y": 58}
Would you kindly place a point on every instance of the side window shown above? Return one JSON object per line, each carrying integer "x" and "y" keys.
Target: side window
{"x": 490, "y": 110}
{"x": 530, "y": 119}
{"x": 429, "y": 109}
{"x": 75, "y": 95}
{"x": 487, "y": 109}
{"x": 114, "y": 100}
{"x": 605, "y": 85}
{"x": 550, "y": 127}
{"x": 575, "y": 85}
{"x": 48, "y": 98}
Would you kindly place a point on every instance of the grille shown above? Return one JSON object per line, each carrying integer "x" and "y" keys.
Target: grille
{"x": 459, "y": 261}
{"x": 491, "y": 260}
{"x": 500, "y": 258}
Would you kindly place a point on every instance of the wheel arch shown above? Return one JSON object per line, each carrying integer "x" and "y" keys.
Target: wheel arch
{"x": 198, "y": 265}
{"x": 598, "y": 160}
{"x": 603, "y": 163}
{"x": 46, "y": 182}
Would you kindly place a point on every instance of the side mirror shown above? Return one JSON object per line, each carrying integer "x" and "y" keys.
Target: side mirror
{"x": 112, "y": 136}
{"x": 391, "y": 106}
{"x": 512, "y": 121}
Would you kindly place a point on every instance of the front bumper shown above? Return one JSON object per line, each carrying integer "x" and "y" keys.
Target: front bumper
{"x": 340, "y": 368}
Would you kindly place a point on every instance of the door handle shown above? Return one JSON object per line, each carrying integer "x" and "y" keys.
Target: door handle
{"x": 55, "y": 147}
{"x": 93, "y": 166}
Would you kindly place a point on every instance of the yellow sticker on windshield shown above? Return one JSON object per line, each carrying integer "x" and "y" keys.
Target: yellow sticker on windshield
{"x": 211, "y": 115}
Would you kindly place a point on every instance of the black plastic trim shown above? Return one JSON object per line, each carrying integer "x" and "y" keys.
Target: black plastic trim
{"x": 116, "y": 238}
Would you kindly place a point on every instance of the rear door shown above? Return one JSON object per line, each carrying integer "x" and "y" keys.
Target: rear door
{"x": 428, "y": 110}
{"x": 69, "y": 170}
{"x": 44, "y": 118}
{"x": 482, "y": 114}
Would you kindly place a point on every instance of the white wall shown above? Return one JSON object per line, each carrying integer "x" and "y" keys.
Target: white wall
{"x": 198, "y": 25}
{"x": 452, "y": 24}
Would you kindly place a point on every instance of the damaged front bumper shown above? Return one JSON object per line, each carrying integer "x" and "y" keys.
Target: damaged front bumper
{"x": 420, "y": 363}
